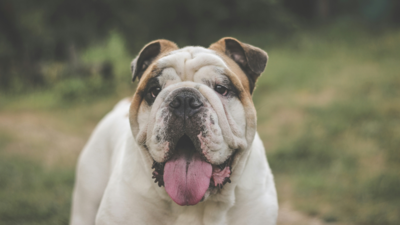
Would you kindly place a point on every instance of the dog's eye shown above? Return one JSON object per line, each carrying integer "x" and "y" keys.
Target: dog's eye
{"x": 221, "y": 89}
{"x": 154, "y": 91}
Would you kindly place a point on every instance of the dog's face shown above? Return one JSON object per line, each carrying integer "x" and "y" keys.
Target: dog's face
{"x": 192, "y": 113}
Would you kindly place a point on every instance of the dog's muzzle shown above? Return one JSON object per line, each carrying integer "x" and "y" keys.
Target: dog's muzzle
{"x": 186, "y": 172}
{"x": 186, "y": 103}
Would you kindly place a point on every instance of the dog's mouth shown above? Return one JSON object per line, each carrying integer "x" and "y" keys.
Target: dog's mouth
{"x": 187, "y": 175}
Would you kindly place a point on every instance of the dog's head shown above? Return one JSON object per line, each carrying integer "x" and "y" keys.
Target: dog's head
{"x": 192, "y": 113}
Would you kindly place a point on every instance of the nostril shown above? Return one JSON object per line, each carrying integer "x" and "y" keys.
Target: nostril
{"x": 176, "y": 103}
{"x": 194, "y": 103}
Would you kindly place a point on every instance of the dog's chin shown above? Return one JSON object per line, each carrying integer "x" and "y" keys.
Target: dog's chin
{"x": 187, "y": 175}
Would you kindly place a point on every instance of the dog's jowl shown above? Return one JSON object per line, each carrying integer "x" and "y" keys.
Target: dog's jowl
{"x": 184, "y": 149}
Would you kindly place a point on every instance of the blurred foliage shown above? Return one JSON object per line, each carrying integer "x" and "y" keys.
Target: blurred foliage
{"x": 35, "y": 33}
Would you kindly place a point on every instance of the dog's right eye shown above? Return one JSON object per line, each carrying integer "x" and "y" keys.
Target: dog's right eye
{"x": 154, "y": 91}
{"x": 221, "y": 89}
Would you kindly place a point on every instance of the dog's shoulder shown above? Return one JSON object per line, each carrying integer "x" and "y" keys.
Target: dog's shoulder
{"x": 123, "y": 105}
{"x": 118, "y": 117}
{"x": 111, "y": 128}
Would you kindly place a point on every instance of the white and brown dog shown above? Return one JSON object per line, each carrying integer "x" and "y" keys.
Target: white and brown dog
{"x": 185, "y": 148}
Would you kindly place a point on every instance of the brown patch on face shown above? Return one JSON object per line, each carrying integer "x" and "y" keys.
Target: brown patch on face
{"x": 149, "y": 54}
{"x": 242, "y": 76}
{"x": 246, "y": 61}
{"x": 165, "y": 47}
{"x": 233, "y": 66}
{"x": 240, "y": 80}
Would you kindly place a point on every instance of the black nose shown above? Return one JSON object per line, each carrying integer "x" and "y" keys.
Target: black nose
{"x": 185, "y": 103}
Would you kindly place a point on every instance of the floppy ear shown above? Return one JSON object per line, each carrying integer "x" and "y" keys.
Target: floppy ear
{"x": 252, "y": 60}
{"x": 148, "y": 54}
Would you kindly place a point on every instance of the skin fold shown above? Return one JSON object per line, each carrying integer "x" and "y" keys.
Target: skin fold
{"x": 184, "y": 149}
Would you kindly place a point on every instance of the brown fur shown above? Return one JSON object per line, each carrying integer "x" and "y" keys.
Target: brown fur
{"x": 165, "y": 47}
{"x": 243, "y": 75}
{"x": 233, "y": 66}
{"x": 247, "y": 61}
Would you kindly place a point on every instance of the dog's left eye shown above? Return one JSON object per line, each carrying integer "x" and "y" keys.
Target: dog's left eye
{"x": 155, "y": 91}
{"x": 221, "y": 89}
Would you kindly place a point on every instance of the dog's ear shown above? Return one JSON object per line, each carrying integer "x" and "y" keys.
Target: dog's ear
{"x": 252, "y": 60}
{"x": 148, "y": 54}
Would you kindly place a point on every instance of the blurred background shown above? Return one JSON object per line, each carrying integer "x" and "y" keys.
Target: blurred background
{"x": 328, "y": 103}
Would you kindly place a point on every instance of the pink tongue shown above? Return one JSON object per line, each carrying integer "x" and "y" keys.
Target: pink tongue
{"x": 186, "y": 179}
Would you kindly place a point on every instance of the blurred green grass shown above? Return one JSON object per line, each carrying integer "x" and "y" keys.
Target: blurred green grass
{"x": 334, "y": 111}
{"x": 31, "y": 194}
{"x": 328, "y": 112}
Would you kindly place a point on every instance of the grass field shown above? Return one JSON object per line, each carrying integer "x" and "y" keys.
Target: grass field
{"x": 328, "y": 112}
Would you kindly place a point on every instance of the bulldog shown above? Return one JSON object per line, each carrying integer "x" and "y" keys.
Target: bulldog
{"x": 184, "y": 149}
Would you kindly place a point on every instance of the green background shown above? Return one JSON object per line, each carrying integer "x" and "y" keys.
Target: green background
{"x": 328, "y": 103}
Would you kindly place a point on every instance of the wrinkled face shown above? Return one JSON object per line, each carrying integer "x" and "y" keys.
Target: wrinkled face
{"x": 192, "y": 115}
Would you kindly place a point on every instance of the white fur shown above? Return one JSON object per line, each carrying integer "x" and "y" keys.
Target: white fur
{"x": 111, "y": 171}
{"x": 114, "y": 182}
{"x": 190, "y": 67}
